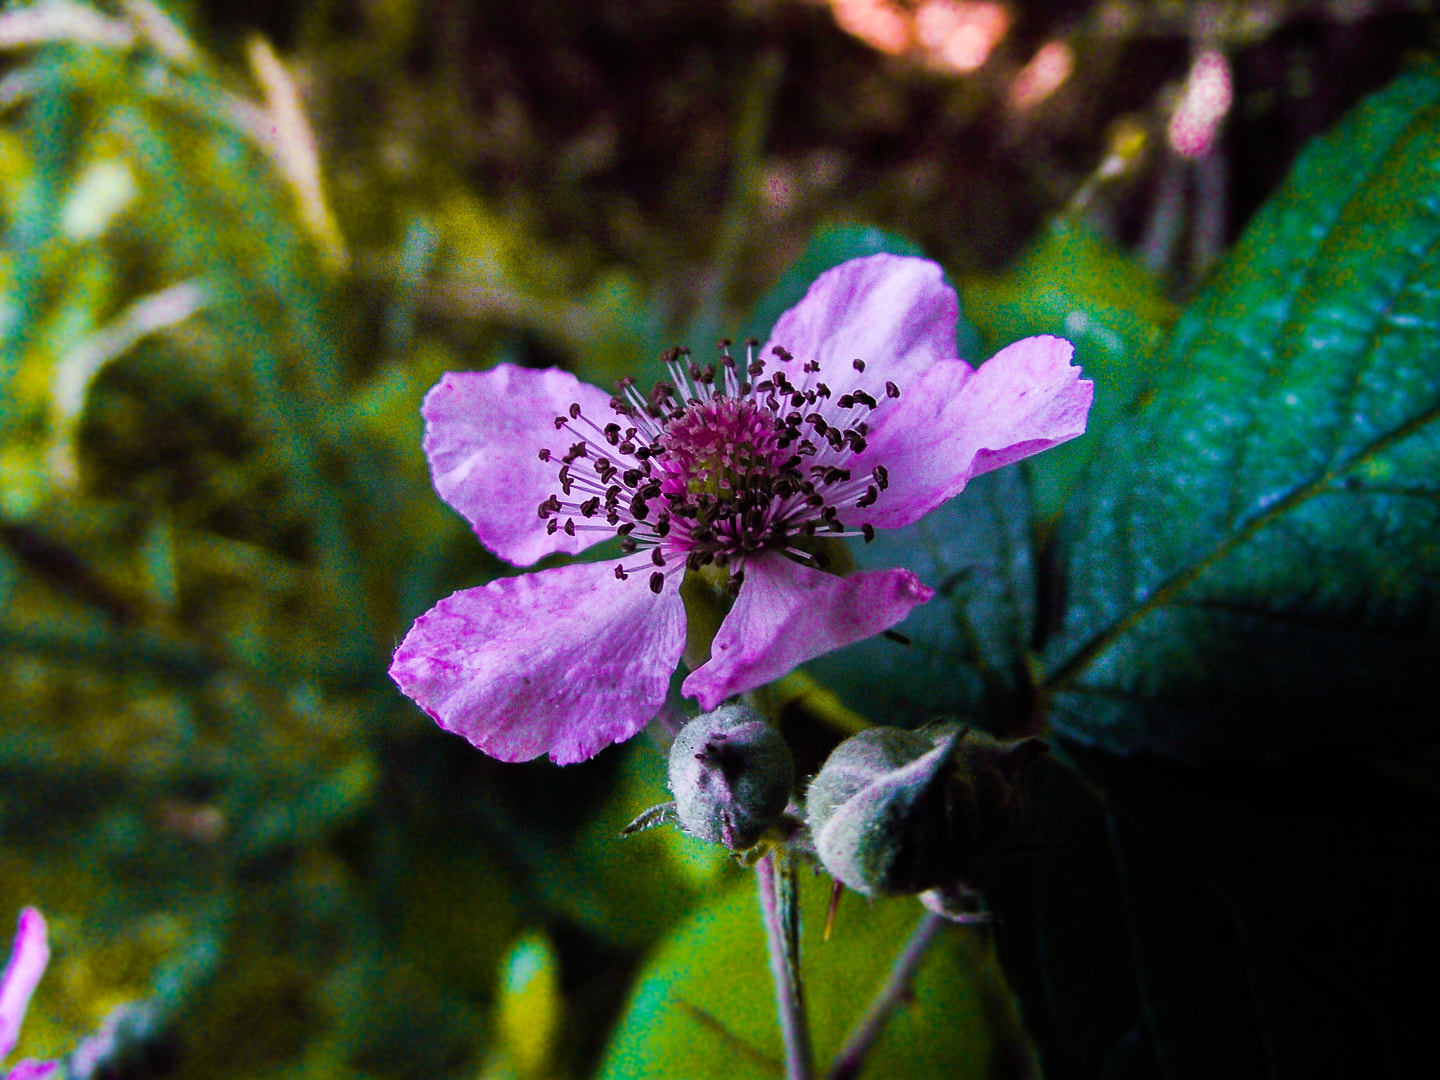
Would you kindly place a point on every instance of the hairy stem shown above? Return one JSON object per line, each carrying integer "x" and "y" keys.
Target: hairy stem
{"x": 775, "y": 874}
{"x": 851, "y": 1058}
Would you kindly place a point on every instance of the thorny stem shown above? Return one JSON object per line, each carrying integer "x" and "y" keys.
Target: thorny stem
{"x": 784, "y": 939}
{"x": 851, "y": 1058}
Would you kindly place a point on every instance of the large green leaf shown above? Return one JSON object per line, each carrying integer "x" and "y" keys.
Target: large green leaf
{"x": 704, "y": 1006}
{"x": 1073, "y": 283}
{"x": 1255, "y": 561}
{"x": 968, "y": 647}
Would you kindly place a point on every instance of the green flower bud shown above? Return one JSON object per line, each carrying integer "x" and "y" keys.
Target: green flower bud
{"x": 898, "y": 812}
{"x": 732, "y": 775}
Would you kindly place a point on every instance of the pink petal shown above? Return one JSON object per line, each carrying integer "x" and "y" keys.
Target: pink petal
{"x": 563, "y": 661}
{"x": 483, "y": 435}
{"x": 958, "y": 424}
{"x": 787, "y": 613}
{"x": 893, "y": 312}
{"x": 34, "y": 1070}
{"x": 28, "y": 958}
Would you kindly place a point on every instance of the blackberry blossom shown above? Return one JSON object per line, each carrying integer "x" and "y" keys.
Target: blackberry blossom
{"x": 855, "y": 416}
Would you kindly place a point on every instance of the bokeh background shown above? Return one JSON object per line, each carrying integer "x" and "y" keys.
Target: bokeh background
{"x": 242, "y": 240}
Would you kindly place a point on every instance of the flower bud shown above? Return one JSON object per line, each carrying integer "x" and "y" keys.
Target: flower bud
{"x": 897, "y": 812}
{"x": 732, "y": 775}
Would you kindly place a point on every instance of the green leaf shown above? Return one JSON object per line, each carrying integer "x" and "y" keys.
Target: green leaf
{"x": 1254, "y": 561}
{"x": 705, "y": 1007}
{"x": 968, "y": 646}
{"x": 1074, "y": 284}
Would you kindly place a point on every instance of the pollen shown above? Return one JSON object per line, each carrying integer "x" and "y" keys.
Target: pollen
{"x": 717, "y": 464}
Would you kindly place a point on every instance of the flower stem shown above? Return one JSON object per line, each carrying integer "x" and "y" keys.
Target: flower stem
{"x": 897, "y": 987}
{"x": 779, "y": 904}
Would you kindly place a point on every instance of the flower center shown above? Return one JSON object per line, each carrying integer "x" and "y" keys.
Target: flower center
{"x": 711, "y": 467}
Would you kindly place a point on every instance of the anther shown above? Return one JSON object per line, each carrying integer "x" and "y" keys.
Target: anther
{"x": 544, "y": 454}
{"x": 867, "y": 531}
{"x": 657, "y": 557}
{"x": 620, "y": 574}
{"x": 891, "y": 390}
{"x": 574, "y": 410}
{"x": 881, "y": 475}
{"x": 552, "y": 527}
{"x": 858, "y": 365}
{"x": 569, "y": 526}
{"x": 864, "y": 399}
{"x": 657, "y": 582}
{"x": 560, "y": 422}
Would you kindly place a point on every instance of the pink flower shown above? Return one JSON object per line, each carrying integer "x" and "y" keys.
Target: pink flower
{"x": 28, "y": 958}
{"x": 855, "y": 416}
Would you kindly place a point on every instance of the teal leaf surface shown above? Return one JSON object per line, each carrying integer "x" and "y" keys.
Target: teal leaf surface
{"x": 1254, "y": 560}
{"x": 967, "y": 648}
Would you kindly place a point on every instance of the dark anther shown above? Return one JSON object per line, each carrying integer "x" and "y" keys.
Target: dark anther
{"x": 662, "y": 527}
{"x": 865, "y": 399}
{"x": 626, "y": 529}
{"x": 628, "y": 546}
{"x": 544, "y": 454}
{"x": 891, "y": 390}
{"x": 639, "y": 509}
{"x": 723, "y": 343}
{"x": 834, "y": 475}
{"x": 560, "y": 422}
{"x": 569, "y": 526}
{"x": 642, "y": 453}
{"x": 693, "y": 561}
{"x": 626, "y": 447}
{"x": 668, "y": 356}
{"x": 620, "y": 573}
{"x": 882, "y": 476}
{"x": 612, "y": 434}
{"x": 868, "y": 499}
{"x": 822, "y": 389}
{"x": 847, "y": 401}
{"x": 656, "y": 557}
{"x": 631, "y": 477}
{"x": 552, "y": 527}
{"x": 835, "y": 439}
{"x": 857, "y": 444}
{"x": 756, "y": 367}
{"x": 808, "y": 447}
{"x": 752, "y": 342}
{"x": 815, "y": 500}
{"x": 579, "y": 451}
{"x": 590, "y": 506}
{"x": 818, "y": 422}
{"x": 574, "y": 410}
{"x": 829, "y": 513}
{"x": 867, "y": 531}
{"x": 732, "y": 587}
{"x": 858, "y": 365}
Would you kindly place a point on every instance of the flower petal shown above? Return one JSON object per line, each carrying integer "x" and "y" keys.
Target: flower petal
{"x": 893, "y": 312}
{"x": 34, "y": 1070}
{"x": 787, "y": 613}
{"x": 28, "y": 958}
{"x": 958, "y": 424}
{"x": 564, "y": 661}
{"x": 483, "y": 435}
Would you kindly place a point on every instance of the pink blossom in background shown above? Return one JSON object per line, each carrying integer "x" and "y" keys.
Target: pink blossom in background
{"x": 856, "y": 415}
{"x": 28, "y": 957}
